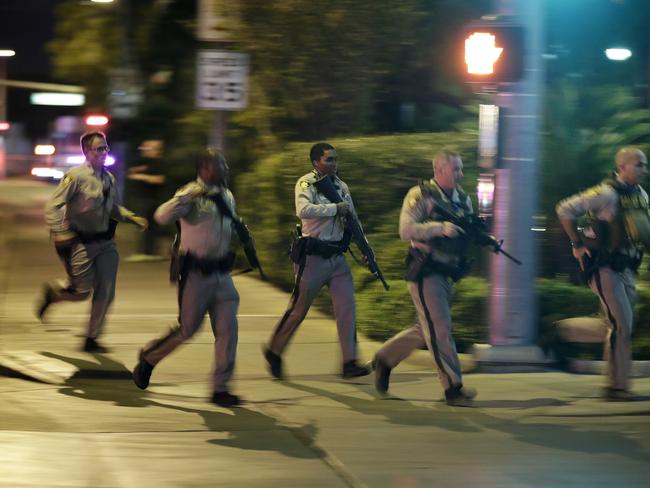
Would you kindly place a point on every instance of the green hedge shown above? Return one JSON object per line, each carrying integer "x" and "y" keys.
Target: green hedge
{"x": 382, "y": 314}
{"x": 379, "y": 171}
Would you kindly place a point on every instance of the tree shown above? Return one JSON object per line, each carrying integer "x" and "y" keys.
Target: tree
{"x": 329, "y": 67}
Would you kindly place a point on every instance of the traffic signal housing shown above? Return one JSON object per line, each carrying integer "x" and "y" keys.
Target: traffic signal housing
{"x": 493, "y": 52}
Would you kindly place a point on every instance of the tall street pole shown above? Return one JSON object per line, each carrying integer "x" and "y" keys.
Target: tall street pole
{"x": 512, "y": 304}
{"x": 4, "y": 54}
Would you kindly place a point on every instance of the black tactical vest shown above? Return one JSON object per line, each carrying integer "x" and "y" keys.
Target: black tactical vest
{"x": 458, "y": 245}
{"x": 631, "y": 225}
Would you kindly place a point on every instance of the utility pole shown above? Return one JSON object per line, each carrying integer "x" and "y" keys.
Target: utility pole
{"x": 512, "y": 304}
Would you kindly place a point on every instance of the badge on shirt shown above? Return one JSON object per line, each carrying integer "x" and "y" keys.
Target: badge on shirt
{"x": 304, "y": 184}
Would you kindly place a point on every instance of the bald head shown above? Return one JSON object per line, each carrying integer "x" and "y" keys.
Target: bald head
{"x": 630, "y": 154}
{"x": 631, "y": 165}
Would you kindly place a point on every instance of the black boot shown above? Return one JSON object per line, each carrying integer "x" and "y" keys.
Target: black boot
{"x": 91, "y": 345}
{"x": 274, "y": 363}
{"x": 352, "y": 369}
{"x": 459, "y": 396}
{"x": 619, "y": 395}
{"x": 142, "y": 372}
{"x": 225, "y": 399}
{"x": 382, "y": 375}
{"x": 45, "y": 302}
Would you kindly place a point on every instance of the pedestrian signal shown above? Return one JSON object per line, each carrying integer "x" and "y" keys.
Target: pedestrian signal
{"x": 494, "y": 52}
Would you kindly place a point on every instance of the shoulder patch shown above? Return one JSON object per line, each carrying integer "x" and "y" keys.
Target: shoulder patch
{"x": 67, "y": 179}
{"x": 413, "y": 197}
{"x": 304, "y": 184}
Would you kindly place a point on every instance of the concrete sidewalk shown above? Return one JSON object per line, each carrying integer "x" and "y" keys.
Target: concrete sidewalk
{"x": 84, "y": 424}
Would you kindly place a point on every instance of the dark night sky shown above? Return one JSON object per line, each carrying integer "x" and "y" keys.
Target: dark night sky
{"x": 578, "y": 29}
{"x": 26, "y": 26}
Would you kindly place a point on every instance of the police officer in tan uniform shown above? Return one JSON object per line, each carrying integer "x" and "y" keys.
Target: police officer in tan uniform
{"x": 436, "y": 255}
{"x": 205, "y": 284}
{"x": 82, "y": 215}
{"x": 609, "y": 250}
{"x": 320, "y": 262}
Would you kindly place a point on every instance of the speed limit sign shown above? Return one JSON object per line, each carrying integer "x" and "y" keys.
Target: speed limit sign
{"x": 222, "y": 80}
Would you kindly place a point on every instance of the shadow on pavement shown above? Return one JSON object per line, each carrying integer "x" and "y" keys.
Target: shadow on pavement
{"x": 554, "y": 436}
{"x": 407, "y": 414}
{"x": 246, "y": 428}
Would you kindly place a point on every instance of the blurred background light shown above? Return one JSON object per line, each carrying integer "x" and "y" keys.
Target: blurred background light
{"x": 80, "y": 158}
{"x": 77, "y": 159}
{"x": 47, "y": 173}
{"x": 7, "y": 53}
{"x": 44, "y": 149}
{"x": 96, "y": 120}
{"x": 618, "y": 54}
{"x": 4, "y": 126}
{"x": 58, "y": 99}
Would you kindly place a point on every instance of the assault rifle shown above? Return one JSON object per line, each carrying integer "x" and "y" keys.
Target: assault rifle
{"x": 244, "y": 234}
{"x": 475, "y": 229}
{"x": 326, "y": 187}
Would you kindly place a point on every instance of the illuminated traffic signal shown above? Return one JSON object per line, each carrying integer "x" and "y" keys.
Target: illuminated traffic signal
{"x": 494, "y": 52}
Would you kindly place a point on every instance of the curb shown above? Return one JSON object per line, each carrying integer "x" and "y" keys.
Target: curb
{"x": 640, "y": 369}
{"x": 32, "y": 366}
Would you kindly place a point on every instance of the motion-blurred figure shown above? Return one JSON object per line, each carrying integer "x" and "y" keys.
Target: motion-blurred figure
{"x": 149, "y": 180}
{"x": 318, "y": 261}
{"x": 203, "y": 273}
{"x": 437, "y": 255}
{"x": 83, "y": 214}
{"x": 609, "y": 248}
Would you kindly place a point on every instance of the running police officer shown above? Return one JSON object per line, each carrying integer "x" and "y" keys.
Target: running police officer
{"x": 204, "y": 281}
{"x": 82, "y": 215}
{"x": 609, "y": 250}
{"x": 319, "y": 261}
{"x": 436, "y": 258}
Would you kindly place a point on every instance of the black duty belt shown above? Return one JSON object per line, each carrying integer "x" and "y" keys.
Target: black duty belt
{"x": 107, "y": 235}
{"x": 615, "y": 260}
{"x": 208, "y": 266}
{"x": 324, "y": 249}
{"x": 420, "y": 265}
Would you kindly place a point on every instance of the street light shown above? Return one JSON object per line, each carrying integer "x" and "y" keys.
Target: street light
{"x": 618, "y": 53}
{"x": 4, "y": 54}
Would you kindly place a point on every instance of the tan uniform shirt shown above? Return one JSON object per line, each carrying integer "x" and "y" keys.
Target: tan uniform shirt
{"x": 205, "y": 232}
{"x": 84, "y": 201}
{"x": 601, "y": 200}
{"x": 418, "y": 221}
{"x": 316, "y": 212}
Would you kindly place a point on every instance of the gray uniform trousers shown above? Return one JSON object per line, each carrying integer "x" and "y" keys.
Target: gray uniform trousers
{"x": 316, "y": 273}
{"x": 91, "y": 267}
{"x": 198, "y": 293}
{"x": 617, "y": 294}
{"x": 432, "y": 298}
